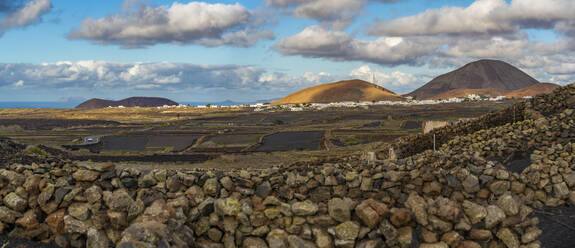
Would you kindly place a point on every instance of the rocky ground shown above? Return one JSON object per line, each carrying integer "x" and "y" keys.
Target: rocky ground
{"x": 509, "y": 185}
{"x": 10, "y": 242}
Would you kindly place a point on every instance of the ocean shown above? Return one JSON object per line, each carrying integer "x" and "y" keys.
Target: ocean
{"x": 4, "y": 105}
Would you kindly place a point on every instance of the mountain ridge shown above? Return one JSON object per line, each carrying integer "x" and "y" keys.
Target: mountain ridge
{"x": 341, "y": 91}
{"x": 480, "y": 74}
{"x": 138, "y": 101}
{"x": 533, "y": 90}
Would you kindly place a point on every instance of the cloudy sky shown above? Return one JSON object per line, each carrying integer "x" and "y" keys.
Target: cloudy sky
{"x": 53, "y": 50}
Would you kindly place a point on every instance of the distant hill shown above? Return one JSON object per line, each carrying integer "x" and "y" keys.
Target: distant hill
{"x": 533, "y": 90}
{"x": 462, "y": 93}
{"x": 481, "y": 74}
{"x": 128, "y": 102}
{"x": 342, "y": 91}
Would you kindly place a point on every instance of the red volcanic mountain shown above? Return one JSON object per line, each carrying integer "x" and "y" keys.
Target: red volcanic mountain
{"x": 533, "y": 90}
{"x": 350, "y": 90}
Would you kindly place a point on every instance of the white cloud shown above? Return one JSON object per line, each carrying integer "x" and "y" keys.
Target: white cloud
{"x": 337, "y": 14}
{"x": 321, "y": 77}
{"x": 318, "y": 42}
{"x": 21, "y": 16}
{"x": 334, "y": 13}
{"x": 111, "y": 75}
{"x": 494, "y": 47}
{"x": 288, "y": 83}
{"x": 482, "y": 16}
{"x": 396, "y": 81}
{"x": 181, "y": 23}
{"x": 98, "y": 75}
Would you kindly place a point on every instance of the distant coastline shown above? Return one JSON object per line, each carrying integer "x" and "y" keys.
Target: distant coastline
{"x": 4, "y": 105}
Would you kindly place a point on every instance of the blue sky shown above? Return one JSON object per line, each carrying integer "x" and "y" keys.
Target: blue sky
{"x": 53, "y": 50}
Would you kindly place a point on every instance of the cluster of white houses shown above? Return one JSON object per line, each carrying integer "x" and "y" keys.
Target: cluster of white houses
{"x": 258, "y": 107}
{"x": 408, "y": 101}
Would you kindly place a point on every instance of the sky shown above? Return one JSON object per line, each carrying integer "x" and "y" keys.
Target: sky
{"x": 198, "y": 51}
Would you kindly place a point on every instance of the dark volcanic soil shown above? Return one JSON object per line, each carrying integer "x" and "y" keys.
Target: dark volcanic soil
{"x": 6, "y": 242}
{"x": 291, "y": 141}
{"x": 412, "y": 125}
{"x": 49, "y": 124}
{"x": 194, "y": 158}
{"x": 558, "y": 225}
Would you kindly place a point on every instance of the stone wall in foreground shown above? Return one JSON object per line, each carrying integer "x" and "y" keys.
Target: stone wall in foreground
{"x": 422, "y": 202}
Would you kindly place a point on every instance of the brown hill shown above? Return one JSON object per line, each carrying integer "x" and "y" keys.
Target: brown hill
{"x": 128, "y": 102}
{"x": 481, "y": 74}
{"x": 489, "y": 92}
{"x": 342, "y": 91}
{"x": 533, "y": 90}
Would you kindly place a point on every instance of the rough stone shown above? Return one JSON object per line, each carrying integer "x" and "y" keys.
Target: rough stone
{"x": 277, "y": 238}
{"x": 471, "y": 184}
{"x": 264, "y": 189}
{"x": 8, "y": 216}
{"x": 29, "y": 220}
{"x": 339, "y": 209}
{"x": 474, "y": 211}
{"x": 530, "y": 235}
{"x": 46, "y": 194}
{"x": 322, "y": 238}
{"x": 348, "y": 230}
{"x": 227, "y": 206}
{"x": 97, "y": 239}
{"x": 79, "y": 211}
{"x": 85, "y": 175}
{"x": 74, "y": 225}
{"x": 118, "y": 220}
{"x": 439, "y": 224}
{"x": 93, "y": 194}
{"x": 297, "y": 242}
{"x": 480, "y": 234}
{"x": 560, "y": 190}
{"x": 367, "y": 214}
{"x": 499, "y": 187}
{"x": 304, "y": 208}
{"x": 252, "y": 242}
{"x": 494, "y": 216}
{"x": 509, "y": 204}
{"x": 119, "y": 200}
{"x": 400, "y": 217}
{"x": 434, "y": 245}
{"x": 15, "y": 202}
{"x": 56, "y": 221}
{"x": 508, "y": 237}
{"x": 211, "y": 187}
{"x": 405, "y": 236}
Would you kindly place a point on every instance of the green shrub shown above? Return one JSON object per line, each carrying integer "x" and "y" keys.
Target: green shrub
{"x": 35, "y": 151}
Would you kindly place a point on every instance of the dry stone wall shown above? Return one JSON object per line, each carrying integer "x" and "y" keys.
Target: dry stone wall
{"x": 544, "y": 104}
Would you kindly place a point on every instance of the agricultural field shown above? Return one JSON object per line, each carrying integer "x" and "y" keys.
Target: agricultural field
{"x": 288, "y": 141}
{"x": 223, "y": 138}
